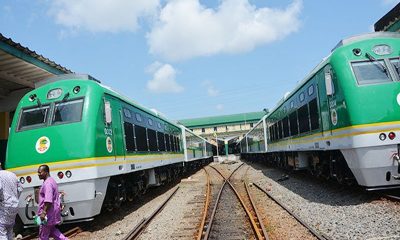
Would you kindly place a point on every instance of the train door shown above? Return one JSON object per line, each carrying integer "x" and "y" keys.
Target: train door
{"x": 329, "y": 114}
{"x": 113, "y": 127}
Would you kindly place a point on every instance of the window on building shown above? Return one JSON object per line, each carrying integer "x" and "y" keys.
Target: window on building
{"x": 215, "y": 129}
{"x": 251, "y": 125}
{"x": 203, "y": 130}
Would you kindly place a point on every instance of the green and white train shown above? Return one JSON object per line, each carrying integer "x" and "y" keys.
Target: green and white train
{"x": 101, "y": 147}
{"x": 342, "y": 121}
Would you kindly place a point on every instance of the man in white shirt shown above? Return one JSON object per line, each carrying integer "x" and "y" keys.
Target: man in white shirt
{"x": 9, "y": 195}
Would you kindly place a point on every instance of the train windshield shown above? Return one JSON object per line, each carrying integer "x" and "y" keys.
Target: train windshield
{"x": 67, "y": 112}
{"x": 396, "y": 64}
{"x": 371, "y": 72}
{"x": 33, "y": 117}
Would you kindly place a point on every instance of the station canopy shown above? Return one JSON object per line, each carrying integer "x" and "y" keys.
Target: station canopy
{"x": 20, "y": 69}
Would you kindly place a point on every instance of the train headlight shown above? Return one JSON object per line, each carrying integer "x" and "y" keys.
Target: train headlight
{"x": 76, "y": 89}
{"x": 382, "y": 49}
{"x": 28, "y": 179}
{"x": 32, "y": 97}
{"x": 22, "y": 180}
{"x": 357, "y": 51}
{"x": 382, "y": 136}
{"x": 68, "y": 174}
{"x": 391, "y": 135}
{"x": 54, "y": 93}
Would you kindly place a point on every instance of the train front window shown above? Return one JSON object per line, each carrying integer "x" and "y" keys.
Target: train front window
{"x": 67, "y": 112}
{"x": 396, "y": 65}
{"x": 371, "y": 72}
{"x": 33, "y": 117}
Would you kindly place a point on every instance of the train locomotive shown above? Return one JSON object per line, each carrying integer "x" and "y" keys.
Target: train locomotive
{"x": 102, "y": 148}
{"x": 342, "y": 121}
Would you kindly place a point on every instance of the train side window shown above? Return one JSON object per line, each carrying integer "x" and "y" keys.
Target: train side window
{"x": 314, "y": 114}
{"x": 310, "y": 90}
{"x": 178, "y": 144}
{"x": 161, "y": 141}
{"x": 276, "y": 131}
{"x": 301, "y": 97}
{"x": 150, "y": 121}
{"x": 152, "y": 136}
{"x": 141, "y": 138}
{"x": 371, "y": 72}
{"x": 129, "y": 137}
{"x": 167, "y": 143}
{"x": 171, "y": 140}
{"x": 127, "y": 113}
{"x": 138, "y": 117}
{"x": 304, "y": 123}
{"x": 293, "y": 124}
{"x": 285, "y": 127}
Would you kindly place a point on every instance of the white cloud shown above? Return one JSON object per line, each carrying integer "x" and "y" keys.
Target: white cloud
{"x": 163, "y": 79}
{"x": 102, "y": 15}
{"x": 219, "y": 107}
{"x": 211, "y": 90}
{"x": 187, "y": 29}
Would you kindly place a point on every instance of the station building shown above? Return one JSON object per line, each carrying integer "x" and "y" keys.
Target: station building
{"x": 224, "y": 130}
{"x": 20, "y": 69}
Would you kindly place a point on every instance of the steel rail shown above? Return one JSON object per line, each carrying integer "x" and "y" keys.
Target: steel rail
{"x": 138, "y": 229}
{"x": 207, "y": 234}
{"x": 206, "y": 206}
{"x": 250, "y": 216}
{"x": 318, "y": 235}
{"x": 257, "y": 213}
{"x": 69, "y": 234}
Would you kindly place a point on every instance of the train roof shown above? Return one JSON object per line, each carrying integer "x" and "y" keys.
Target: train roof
{"x": 341, "y": 43}
{"x": 109, "y": 90}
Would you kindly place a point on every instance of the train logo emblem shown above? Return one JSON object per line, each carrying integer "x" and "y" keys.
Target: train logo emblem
{"x": 334, "y": 117}
{"x": 109, "y": 144}
{"x": 42, "y": 144}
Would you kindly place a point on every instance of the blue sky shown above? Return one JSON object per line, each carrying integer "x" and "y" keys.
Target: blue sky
{"x": 190, "y": 58}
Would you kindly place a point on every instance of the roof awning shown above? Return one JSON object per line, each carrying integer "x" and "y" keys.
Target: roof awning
{"x": 20, "y": 69}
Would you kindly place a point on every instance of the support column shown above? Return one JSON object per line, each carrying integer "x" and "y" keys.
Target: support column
{"x": 4, "y": 125}
{"x": 226, "y": 148}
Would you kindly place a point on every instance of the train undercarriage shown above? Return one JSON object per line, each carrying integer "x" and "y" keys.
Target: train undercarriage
{"x": 329, "y": 165}
{"x": 127, "y": 187}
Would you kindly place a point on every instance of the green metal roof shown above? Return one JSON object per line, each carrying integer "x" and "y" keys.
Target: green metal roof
{"x": 222, "y": 120}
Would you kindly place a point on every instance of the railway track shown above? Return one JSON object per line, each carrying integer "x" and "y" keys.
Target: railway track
{"x": 69, "y": 234}
{"x": 231, "y": 216}
{"x": 139, "y": 228}
{"x": 315, "y": 233}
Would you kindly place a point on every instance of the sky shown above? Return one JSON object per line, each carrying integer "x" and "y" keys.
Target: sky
{"x": 190, "y": 58}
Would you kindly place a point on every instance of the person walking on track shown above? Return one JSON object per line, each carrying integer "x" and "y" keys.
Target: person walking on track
{"x": 49, "y": 206}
